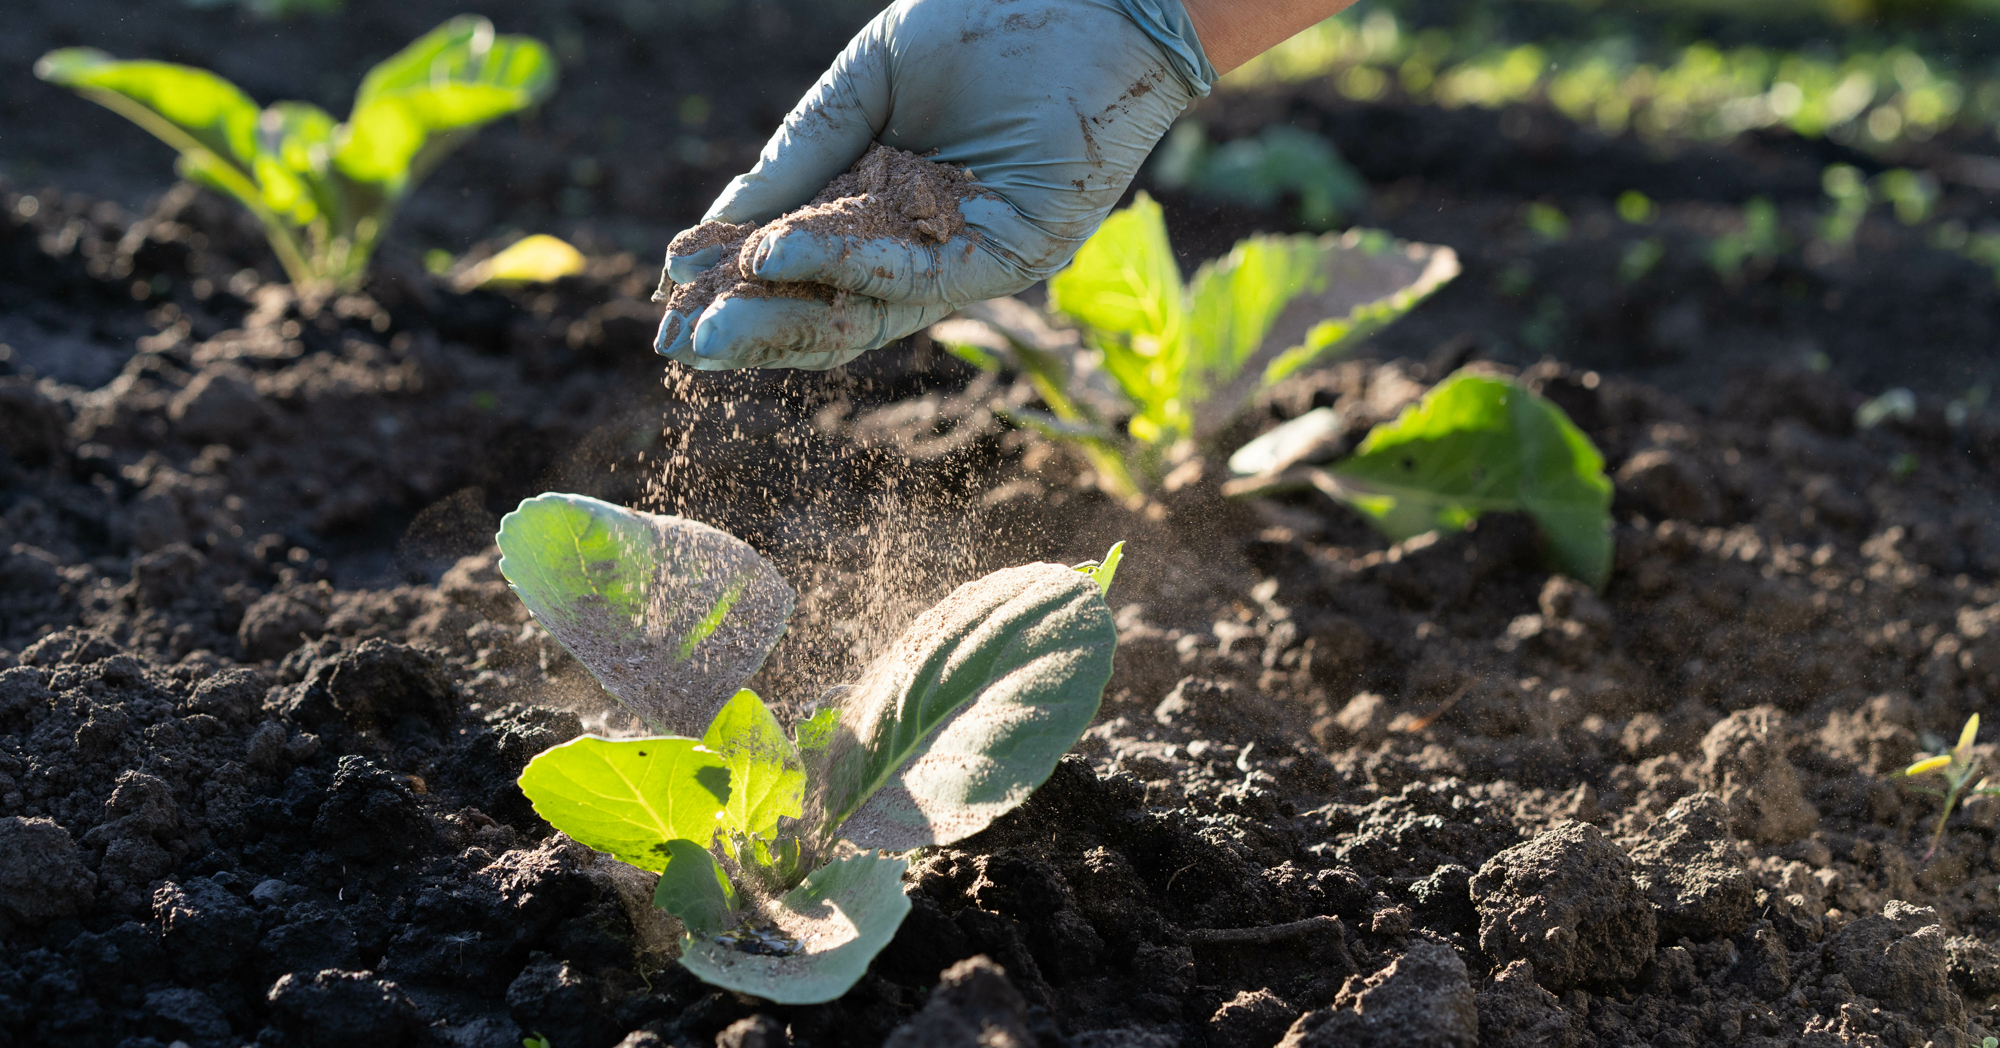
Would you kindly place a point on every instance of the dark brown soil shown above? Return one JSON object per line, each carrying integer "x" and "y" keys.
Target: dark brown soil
{"x": 887, "y": 194}
{"x": 263, "y": 695}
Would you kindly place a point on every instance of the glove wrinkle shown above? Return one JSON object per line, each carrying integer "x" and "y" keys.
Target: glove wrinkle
{"x": 1167, "y": 22}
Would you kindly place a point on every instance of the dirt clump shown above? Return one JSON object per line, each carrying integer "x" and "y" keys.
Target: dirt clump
{"x": 1423, "y": 997}
{"x": 1565, "y": 901}
{"x": 974, "y": 1006}
{"x": 887, "y": 194}
{"x": 43, "y": 875}
{"x": 1688, "y": 865}
{"x": 1900, "y": 955}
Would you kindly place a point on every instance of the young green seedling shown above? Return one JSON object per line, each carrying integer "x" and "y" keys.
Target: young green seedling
{"x": 769, "y": 845}
{"x": 1956, "y": 767}
{"x": 1186, "y": 358}
{"x": 1474, "y": 444}
{"x": 325, "y": 191}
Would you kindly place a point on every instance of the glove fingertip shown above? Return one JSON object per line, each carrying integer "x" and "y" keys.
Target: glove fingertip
{"x": 675, "y": 335}
{"x": 795, "y": 255}
{"x": 683, "y": 269}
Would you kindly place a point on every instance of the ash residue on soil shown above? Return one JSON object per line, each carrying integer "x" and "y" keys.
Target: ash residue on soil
{"x": 888, "y": 193}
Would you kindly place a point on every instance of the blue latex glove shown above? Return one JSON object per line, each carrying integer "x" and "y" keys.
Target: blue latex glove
{"x": 1053, "y": 105}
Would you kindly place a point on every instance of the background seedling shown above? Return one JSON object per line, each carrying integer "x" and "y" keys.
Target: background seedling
{"x": 1177, "y": 361}
{"x": 1474, "y": 444}
{"x": 324, "y": 191}
{"x": 1956, "y": 767}
{"x": 766, "y": 842}
{"x": 1280, "y": 161}
{"x": 1760, "y": 240}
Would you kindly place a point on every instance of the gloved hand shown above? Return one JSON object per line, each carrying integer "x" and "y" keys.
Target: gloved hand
{"x": 1052, "y": 104}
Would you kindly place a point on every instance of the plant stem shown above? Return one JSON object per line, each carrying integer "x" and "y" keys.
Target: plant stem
{"x": 1045, "y": 374}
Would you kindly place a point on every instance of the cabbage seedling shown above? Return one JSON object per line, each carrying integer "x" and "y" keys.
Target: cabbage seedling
{"x": 325, "y": 191}
{"x": 770, "y": 845}
{"x": 1184, "y": 359}
{"x": 1474, "y": 444}
{"x": 1956, "y": 767}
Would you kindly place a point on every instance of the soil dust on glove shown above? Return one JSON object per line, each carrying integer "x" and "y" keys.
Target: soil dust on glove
{"x": 887, "y": 194}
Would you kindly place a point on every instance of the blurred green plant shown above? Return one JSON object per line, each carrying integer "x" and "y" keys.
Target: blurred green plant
{"x": 1474, "y": 444}
{"x": 1912, "y": 194}
{"x": 1956, "y": 767}
{"x": 1259, "y": 172}
{"x": 1898, "y": 404}
{"x": 324, "y": 191}
{"x": 1848, "y": 190}
{"x": 1177, "y": 361}
{"x": 1637, "y": 208}
{"x": 1760, "y": 239}
{"x": 1868, "y": 97}
{"x": 1547, "y": 221}
{"x": 536, "y": 259}
{"x": 1640, "y": 258}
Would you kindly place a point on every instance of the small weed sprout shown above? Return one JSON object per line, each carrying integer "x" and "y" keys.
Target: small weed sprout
{"x": 1956, "y": 767}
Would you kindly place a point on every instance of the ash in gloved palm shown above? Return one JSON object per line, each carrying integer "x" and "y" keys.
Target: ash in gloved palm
{"x": 1052, "y": 104}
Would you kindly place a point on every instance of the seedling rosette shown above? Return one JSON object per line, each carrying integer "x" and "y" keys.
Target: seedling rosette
{"x": 1178, "y": 361}
{"x": 324, "y": 190}
{"x": 773, "y": 848}
{"x": 1474, "y": 444}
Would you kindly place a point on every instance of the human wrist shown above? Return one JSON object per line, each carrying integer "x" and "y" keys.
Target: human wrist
{"x": 1233, "y": 32}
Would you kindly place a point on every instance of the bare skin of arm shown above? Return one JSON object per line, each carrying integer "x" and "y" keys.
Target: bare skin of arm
{"x": 1233, "y": 32}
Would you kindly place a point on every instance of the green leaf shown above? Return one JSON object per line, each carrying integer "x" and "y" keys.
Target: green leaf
{"x": 694, "y": 889}
{"x": 294, "y": 147}
{"x": 1103, "y": 571}
{"x": 841, "y": 916}
{"x": 766, "y": 775}
{"x": 190, "y": 109}
{"x": 536, "y": 259}
{"x": 1280, "y": 160}
{"x": 816, "y": 733}
{"x": 1304, "y": 298}
{"x": 452, "y": 79}
{"x": 629, "y": 797}
{"x": 1234, "y": 300}
{"x": 1476, "y": 444}
{"x": 1124, "y": 279}
{"x": 971, "y": 708}
{"x": 464, "y": 49}
{"x": 1125, "y": 289}
{"x": 669, "y": 614}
